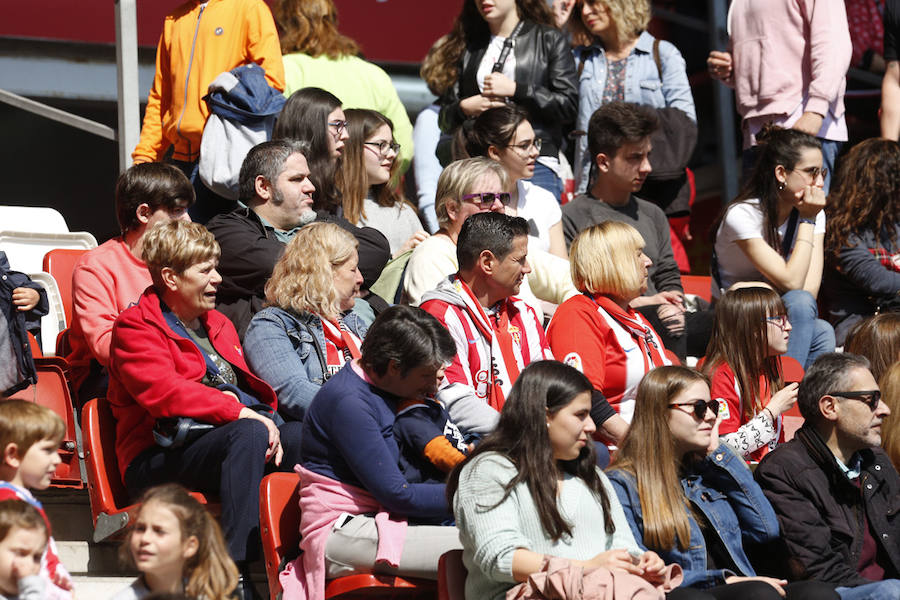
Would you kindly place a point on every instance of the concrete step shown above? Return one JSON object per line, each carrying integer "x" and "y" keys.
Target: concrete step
{"x": 93, "y": 587}
{"x": 89, "y": 558}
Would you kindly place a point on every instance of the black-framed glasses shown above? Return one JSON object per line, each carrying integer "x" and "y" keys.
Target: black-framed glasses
{"x": 698, "y": 407}
{"x": 527, "y": 145}
{"x": 780, "y": 321}
{"x": 870, "y": 398}
{"x": 814, "y": 172}
{"x": 383, "y": 146}
{"x": 486, "y": 199}
{"x": 338, "y": 126}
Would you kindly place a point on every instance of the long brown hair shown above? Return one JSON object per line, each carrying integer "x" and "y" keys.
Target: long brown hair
{"x": 740, "y": 339}
{"x": 890, "y": 427}
{"x": 311, "y": 27}
{"x": 210, "y": 572}
{"x": 878, "y": 339}
{"x": 865, "y": 195}
{"x": 648, "y": 453}
{"x": 351, "y": 179}
{"x": 471, "y": 30}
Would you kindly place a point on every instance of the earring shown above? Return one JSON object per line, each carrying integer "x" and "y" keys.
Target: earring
{"x": 780, "y": 185}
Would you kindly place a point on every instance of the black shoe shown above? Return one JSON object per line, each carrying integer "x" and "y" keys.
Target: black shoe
{"x": 245, "y": 589}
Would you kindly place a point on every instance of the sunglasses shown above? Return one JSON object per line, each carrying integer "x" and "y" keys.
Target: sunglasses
{"x": 485, "y": 200}
{"x": 698, "y": 407}
{"x": 870, "y": 398}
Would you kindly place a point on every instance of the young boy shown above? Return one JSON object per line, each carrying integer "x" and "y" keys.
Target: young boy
{"x": 23, "y": 539}
{"x": 29, "y": 438}
{"x": 430, "y": 443}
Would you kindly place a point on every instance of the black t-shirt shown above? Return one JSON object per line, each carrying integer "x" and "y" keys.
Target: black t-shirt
{"x": 891, "y": 30}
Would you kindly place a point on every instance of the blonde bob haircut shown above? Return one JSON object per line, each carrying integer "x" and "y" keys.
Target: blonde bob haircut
{"x": 178, "y": 245}
{"x": 458, "y": 179}
{"x": 629, "y": 17}
{"x": 303, "y": 279}
{"x": 603, "y": 260}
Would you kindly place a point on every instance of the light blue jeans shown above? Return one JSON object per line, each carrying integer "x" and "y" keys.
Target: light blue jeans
{"x": 810, "y": 335}
{"x": 889, "y": 589}
{"x": 547, "y": 178}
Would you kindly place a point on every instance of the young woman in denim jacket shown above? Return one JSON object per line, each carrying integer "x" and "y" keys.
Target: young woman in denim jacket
{"x": 692, "y": 499}
{"x": 617, "y": 62}
{"x": 307, "y": 333}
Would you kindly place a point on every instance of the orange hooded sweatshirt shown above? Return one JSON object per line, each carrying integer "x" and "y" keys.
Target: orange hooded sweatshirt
{"x": 200, "y": 41}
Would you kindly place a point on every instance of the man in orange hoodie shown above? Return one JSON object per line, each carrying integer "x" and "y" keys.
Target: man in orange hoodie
{"x": 200, "y": 40}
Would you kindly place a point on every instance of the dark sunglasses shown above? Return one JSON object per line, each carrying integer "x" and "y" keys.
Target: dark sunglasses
{"x": 698, "y": 407}
{"x": 486, "y": 199}
{"x": 870, "y": 398}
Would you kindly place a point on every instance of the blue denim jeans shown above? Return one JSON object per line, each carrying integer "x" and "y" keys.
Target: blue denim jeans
{"x": 889, "y": 589}
{"x": 810, "y": 335}
{"x": 545, "y": 177}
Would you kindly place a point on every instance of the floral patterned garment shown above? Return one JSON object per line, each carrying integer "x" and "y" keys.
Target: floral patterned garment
{"x": 615, "y": 81}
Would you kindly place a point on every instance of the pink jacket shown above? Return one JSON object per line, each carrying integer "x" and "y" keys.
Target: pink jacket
{"x": 322, "y": 501}
{"x": 783, "y": 49}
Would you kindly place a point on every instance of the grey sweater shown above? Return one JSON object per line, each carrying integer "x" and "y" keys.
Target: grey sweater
{"x": 647, "y": 218}
{"x": 490, "y": 535}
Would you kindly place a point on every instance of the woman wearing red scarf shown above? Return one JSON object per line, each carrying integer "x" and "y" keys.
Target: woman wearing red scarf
{"x": 308, "y": 331}
{"x": 597, "y": 332}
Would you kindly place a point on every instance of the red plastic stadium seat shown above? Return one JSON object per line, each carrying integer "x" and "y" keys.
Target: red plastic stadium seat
{"x": 60, "y": 262}
{"x": 451, "y": 576}
{"x": 110, "y": 507}
{"x": 279, "y": 520}
{"x": 52, "y": 391}
{"x": 699, "y": 285}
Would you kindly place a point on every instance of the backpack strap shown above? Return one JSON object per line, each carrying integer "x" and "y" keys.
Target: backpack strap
{"x": 656, "y": 58}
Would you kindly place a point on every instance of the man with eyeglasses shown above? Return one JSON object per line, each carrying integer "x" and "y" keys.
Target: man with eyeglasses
{"x": 835, "y": 491}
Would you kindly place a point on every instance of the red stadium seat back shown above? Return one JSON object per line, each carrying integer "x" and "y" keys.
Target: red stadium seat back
{"x": 451, "y": 576}
{"x": 52, "y": 391}
{"x": 699, "y": 285}
{"x": 279, "y": 522}
{"x": 60, "y": 262}
{"x": 791, "y": 370}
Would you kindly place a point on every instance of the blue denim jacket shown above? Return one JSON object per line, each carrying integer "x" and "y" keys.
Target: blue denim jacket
{"x": 722, "y": 488}
{"x": 642, "y": 86}
{"x": 280, "y": 348}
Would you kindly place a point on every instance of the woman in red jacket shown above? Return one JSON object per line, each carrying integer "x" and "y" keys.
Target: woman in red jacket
{"x": 172, "y": 355}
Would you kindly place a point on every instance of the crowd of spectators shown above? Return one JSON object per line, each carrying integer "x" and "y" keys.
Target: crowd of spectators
{"x": 453, "y": 373}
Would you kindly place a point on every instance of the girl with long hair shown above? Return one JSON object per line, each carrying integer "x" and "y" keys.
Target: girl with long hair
{"x": 774, "y": 230}
{"x": 750, "y": 332}
{"x": 504, "y": 134}
{"x": 367, "y": 180}
{"x": 890, "y": 426}
{"x": 315, "y": 116}
{"x": 862, "y": 236}
{"x": 691, "y": 498}
{"x": 178, "y": 548}
{"x": 878, "y": 339}
{"x": 510, "y": 51}
{"x": 531, "y": 490}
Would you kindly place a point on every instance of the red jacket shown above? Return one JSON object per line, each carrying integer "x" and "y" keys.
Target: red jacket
{"x": 154, "y": 372}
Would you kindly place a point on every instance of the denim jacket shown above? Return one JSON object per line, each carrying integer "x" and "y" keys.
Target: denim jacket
{"x": 287, "y": 350}
{"x": 722, "y": 488}
{"x": 642, "y": 86}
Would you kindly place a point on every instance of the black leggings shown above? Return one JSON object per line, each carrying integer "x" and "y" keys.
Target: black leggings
{"x": 757, "y": 590}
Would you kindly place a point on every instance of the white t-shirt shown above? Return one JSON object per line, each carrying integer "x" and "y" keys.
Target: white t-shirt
{"x": 744, "y": 221}
{"x": 541, "y": 210}
{"x": 491, "y": 55}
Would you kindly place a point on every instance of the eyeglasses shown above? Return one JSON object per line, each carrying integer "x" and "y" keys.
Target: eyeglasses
{"x": 699, "y": 407}
{"x": 384, "y": 145}
{"x": 527, "y": 145}
{"x": 870, "y": 398}
{"x": 339, "y": 126}
{"x": 814, "y": 172}
{"x": 486, "y": 199}
{"x": 780, "y": 321}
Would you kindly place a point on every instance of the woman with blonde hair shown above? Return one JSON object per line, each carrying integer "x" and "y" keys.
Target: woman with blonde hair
{"x": 691, "y": 498}
{"x": 177, "y": 546}
{"x": 750, "y": 332}
{"x": 618, "y": 59}
{"x": 307, "y": 333}
{"x": 367, "y": 181}
{"x": 316, "y": 54}
{"x": 890, "y": 426}
{"x": 597, "y": 332}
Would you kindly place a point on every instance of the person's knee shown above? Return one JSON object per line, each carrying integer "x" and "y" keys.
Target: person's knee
{"x": 248, "y": 435}
{"x": 811, "y": 590}
{"x": 754, "y": 590}
{"x": 800, "y": 304}
{"x": 823, "y": 335}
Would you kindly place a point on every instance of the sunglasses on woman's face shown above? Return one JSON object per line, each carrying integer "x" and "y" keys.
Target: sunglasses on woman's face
{"x": 485, "y": 200}
{"x": 698, "y": 407}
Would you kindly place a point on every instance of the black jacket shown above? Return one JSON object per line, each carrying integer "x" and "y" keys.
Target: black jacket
{"x": 546, "y": 86}
{"x": 249, "y": 254}
{"x": 822, "y": 513}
